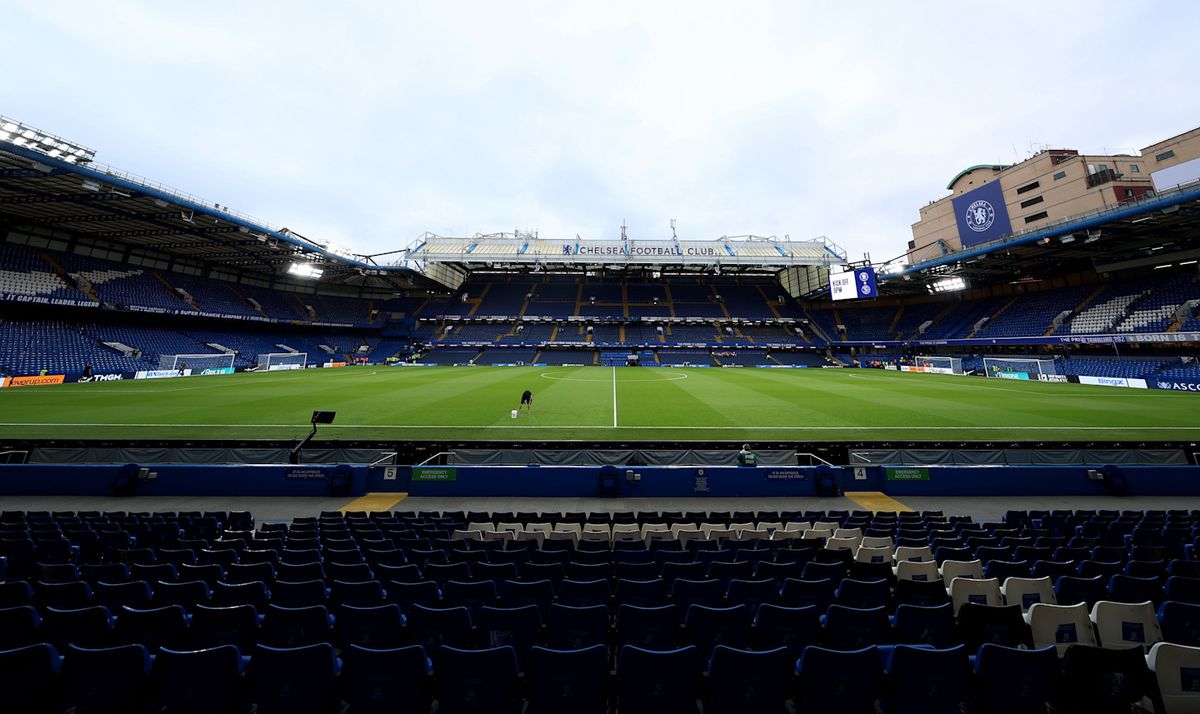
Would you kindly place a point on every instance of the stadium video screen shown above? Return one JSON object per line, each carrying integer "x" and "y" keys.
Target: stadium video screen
{"x": 852, "y": 284}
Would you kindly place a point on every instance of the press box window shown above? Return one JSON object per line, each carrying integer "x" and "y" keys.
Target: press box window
{"x": 1060, "y": 175}
{"x": 1032, "y": 202}
{"x": 1035, "y": 217}
{"x": 1169, "y": 154}
{"x": 1028, "y": 187}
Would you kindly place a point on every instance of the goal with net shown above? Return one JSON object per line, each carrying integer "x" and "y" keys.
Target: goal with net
{"x": 1019, "y": 367}
{"x": 275, "y": 361}
{"x": 939, "y": 365}
{"x": 219, "y": 363}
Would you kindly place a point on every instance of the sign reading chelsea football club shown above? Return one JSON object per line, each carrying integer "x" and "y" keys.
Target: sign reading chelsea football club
{"x": 981, "y": 215}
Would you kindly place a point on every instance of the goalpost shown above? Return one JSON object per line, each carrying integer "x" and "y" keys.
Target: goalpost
{"x": 218, "y": 363}
{"x": 1018, "y": 367}
{"x": 939, "y": 364}
{"x": 275, "y": 361}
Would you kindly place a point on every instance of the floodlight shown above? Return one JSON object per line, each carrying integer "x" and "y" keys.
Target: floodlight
{"x": 948, "y": 285}
{"x": 305, "y": 270}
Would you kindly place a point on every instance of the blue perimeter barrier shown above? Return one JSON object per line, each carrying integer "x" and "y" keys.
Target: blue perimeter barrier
{"x": 583, "y": 481}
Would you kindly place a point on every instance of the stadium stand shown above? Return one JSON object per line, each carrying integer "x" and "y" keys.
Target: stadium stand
{"x": 91, "y": 620}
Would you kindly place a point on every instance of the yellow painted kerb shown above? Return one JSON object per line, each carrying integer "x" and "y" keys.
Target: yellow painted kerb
{"x": 374, "y": 502}
{"x": 876, "y": 501}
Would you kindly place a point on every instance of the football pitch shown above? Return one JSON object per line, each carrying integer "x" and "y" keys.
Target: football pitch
{"x": 602, "y": 403}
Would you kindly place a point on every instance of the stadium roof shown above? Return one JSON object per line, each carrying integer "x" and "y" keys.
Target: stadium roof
{"x": 976, "y": 167}
{"x": 1157, "y": 231}
{"x": 729, "y": 253}
{"x": 50, "y": 182}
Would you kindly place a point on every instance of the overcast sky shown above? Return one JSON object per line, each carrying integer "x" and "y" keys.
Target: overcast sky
{"x": 368, "y": 124}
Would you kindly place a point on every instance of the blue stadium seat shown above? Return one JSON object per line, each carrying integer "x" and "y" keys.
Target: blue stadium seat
{"x": 1017, "y": 680}
{"x": 933, "y": 681}
{"x": 570, "y": 628}
{"x": 1101, "y": 680}
{"x": 295, "y": 680}
{"x": 471, "y": 595}
{"x": 28, "y": 676}
{"x": 388, "y": 681}
{"x": 199, "y": 681}
{"x": 375, "y": 627}
{"x": 307, "y": 593}
{"x": 993, "y": 624}
{"x": 648, "y": 627}
{"x": 86, "y": 627}
{"x": 850, "y": 628}
{"x": 19, "y": 627}
{"x": 289, "y": 627}
{"x": 478, "y": 681}
{"x": 539, "y": 593}
{"x": 15, "y": 593}
{"x": 847, "y": 682}
{"x": 573, "y": 680}
{"x": 658, "y": 681}
{"x": 751, "y": 593}
{"x": 707, "y": 627}
{"x": 582, "y": 593}
{"x": 1181, "y": 589}
{"x": 863, "y": 594}
{"x": 745, "y": 681}
{"x": 421, "y": 592}
{"x": 433, "y": 627}
{"x": 799, "y": 593}
{"x": 111, "y": 679}
{"x": 926, "y": 625}
{"x": 516, "y": 627}
{"x": 217, "y": 626}
{"x": 152, "y": 628}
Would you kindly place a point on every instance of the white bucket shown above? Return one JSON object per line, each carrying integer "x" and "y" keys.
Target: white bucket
{"x": 514, "y": 413}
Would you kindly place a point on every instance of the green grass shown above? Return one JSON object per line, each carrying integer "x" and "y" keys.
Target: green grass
{"x": 578, "y": 403}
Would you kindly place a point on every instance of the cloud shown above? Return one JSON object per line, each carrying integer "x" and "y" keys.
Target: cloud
{"x": 370, "y": 123}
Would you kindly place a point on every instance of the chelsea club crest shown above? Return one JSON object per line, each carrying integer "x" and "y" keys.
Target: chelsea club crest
{"x": 980, "y": 216}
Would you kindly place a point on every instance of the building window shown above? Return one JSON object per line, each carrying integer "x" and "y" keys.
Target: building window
{"x": 1104, "y": 167}
{"x": 1032, "y": 202}
{"x": 1165, "y": 155}
{"x": 1028, "y": 187}
{"x": 1135, "y": 169}
{"x": 1035, "y": 217}
{"x": 1060, "y": 175}
{"x": 1129, "y": 193}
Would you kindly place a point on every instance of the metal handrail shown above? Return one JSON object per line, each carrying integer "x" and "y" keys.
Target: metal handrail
{"x": 438, "y": 454}
{"x": 390, "y": 455}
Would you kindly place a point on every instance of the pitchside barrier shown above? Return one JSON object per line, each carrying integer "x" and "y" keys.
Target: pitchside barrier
{"x": 582, "y": 481}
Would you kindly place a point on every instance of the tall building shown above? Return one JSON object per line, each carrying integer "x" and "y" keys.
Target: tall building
{"x": 988, "y": 202}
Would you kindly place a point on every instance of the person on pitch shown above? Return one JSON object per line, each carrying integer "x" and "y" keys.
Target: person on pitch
{"x": 526, "y": 401}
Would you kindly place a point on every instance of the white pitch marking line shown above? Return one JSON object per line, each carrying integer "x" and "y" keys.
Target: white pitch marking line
{"x": 614, "y": 369}
{"x": 603, "y": 426}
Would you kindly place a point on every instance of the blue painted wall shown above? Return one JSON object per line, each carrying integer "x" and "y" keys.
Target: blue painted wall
{"x": 582, "y": 481}
{"x": 177, "y": 480}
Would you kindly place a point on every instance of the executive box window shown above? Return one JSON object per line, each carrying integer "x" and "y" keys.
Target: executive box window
{"x": 1035, "y": 217}
{"x": 1032, "y": 202}
{"x": 1164, "y": 155}
{"x": 1060, "y": 175}
{"x": 1028, "y": 187}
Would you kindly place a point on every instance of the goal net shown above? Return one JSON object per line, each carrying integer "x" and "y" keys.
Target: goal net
{"x": 275, "y": 361}
{"x": 939, "y": 365}
{"x": 219, "y": 363}
{"x": 1018, "y": 368}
